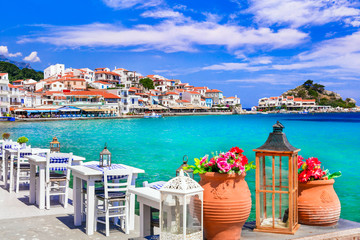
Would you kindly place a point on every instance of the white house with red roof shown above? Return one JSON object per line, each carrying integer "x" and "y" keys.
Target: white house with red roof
{"x": 54, "y": 70}
{"x": 102, "y": 85}
{"x": 232, "y": 101}
{"x": 4, "y": 94}
{"x": 201, "y": 90}
{"x": 290, "y": 102}
{"x": 107, "y": 76}
{"x": 193, "y": 97}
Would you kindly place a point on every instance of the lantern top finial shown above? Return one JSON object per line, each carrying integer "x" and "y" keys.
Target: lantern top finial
{"x": 182, "y": 184}
{"x": 105, "y": 150}
{"x": 278, "y": 127}
{"x": 277, "y": 141}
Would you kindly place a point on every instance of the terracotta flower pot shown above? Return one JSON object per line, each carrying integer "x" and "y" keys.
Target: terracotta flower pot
{"x": 318, "y": 203}
{"x": 227, "y": 205}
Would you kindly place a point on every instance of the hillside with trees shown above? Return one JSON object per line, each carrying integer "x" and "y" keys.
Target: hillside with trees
{"x": 311, "y": 90}
{"x": 16, "y": 73}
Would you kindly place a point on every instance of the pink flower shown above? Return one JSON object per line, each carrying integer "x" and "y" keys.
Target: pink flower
{"x": 224, "y": 166}
{"x": 203, "y": 160}
{"x": 300, "y": 161}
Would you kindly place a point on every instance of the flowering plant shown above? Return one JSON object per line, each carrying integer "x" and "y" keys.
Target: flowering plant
{"x": 233, "y": 161}
{"x": 310, "y": 169}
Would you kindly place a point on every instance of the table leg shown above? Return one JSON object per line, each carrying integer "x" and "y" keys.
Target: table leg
{"x": 11, "y": 174}
{"x": 145, "y": 218}
{"x": 132, "y": 205}
{"x": 41, "y": 189}
{"x": 32, "y": 184}
{"x": 90, "y": 207}
{"x": 6, "y": 170}
{"x": 77, "y": 201}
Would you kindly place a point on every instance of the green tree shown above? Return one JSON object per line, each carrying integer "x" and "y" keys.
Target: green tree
{"x": 308, "y": 84}
{"x": 15, "y": 73}
{"x": 147, "y": 83}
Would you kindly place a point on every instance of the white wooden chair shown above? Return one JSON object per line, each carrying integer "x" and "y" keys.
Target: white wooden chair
{"x": 57, "y": 176}
{"x": 6, "y": 145}
{"x": 115, "y": 199}
{"x": 22, "y": 167}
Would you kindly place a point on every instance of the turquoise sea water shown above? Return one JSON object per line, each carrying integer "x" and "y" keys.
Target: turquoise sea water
{"x": 158, "y": 145}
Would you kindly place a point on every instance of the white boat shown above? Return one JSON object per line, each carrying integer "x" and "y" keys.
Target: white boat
{"x": 304, "y": 112}
{"x": 152, "y": 115}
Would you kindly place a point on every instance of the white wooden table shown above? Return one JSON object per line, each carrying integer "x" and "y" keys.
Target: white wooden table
{"x": 90, "y": 175}
{"x": 9, "y": 170}
{"x": 147, "y": 198}
{"x": 38, "y": 161}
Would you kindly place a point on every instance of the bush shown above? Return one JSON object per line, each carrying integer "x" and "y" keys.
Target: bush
{"x": 22, "y": 140}
{"x": 6, "y": 135}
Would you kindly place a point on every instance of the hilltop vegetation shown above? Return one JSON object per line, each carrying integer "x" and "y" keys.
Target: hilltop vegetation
{"x": 16, "y": 73}
{"x": 311, "y": 90}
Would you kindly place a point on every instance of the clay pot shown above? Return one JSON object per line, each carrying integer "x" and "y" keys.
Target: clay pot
{"x": 227, "y": 205}
{"x": 318, "y": 203}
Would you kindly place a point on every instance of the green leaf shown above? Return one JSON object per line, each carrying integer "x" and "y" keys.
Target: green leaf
{"x": 335, "y": 175}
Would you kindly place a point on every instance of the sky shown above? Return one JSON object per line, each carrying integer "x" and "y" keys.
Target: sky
{"x": 252, "y": 49}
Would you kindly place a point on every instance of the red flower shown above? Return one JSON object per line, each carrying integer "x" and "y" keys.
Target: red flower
{"x": 312, "y": 162}
{"x": 236, "y": 150}
{"x": 244, "y": 160}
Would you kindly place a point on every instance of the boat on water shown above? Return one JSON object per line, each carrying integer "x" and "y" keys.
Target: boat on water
{"x": 152, "y": 115}
{"x": 10, "y": 119}
{"x": 304, "y": 112}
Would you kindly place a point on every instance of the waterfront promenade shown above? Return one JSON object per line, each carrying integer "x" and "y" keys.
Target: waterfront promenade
{"x": 21, "y": 220}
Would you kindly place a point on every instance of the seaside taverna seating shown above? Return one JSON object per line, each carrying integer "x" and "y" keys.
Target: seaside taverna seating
{"x": 22, "y": 167}
{"x": 114, "y": 199}
{"x": 57, "y": 176}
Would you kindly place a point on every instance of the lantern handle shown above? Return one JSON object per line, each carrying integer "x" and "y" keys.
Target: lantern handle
{"x": 187, "y": 159}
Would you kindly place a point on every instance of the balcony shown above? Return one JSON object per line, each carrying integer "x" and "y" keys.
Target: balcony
{"x": 4, "y": 81}
{"x": 4, "y": 104}
{"x": 16, "y": 103}
{"x": 3, "y": 92}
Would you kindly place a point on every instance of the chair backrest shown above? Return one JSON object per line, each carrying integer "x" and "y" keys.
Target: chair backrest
{"x": 58, "y": 162}
{"x": 21, "y": 153}
{"x": 122, "y": 180}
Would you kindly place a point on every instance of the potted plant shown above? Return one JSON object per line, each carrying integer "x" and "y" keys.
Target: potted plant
{"x": 318, "y": 203}
{"x": 23, "y": 140}
{"x": 227, "y": 198}
{"x": 6, "y": 136}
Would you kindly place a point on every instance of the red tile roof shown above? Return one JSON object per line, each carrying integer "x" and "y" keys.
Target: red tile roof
{"x": 213, "y": 91}
{"x": 3, "y": 74}
{"x": 102, "y": 82}
{"x": 110, "y": 73}
{"x": 308, "y": 100}
{"x": 297, "y": 99}
{"x": 171, "y": 93}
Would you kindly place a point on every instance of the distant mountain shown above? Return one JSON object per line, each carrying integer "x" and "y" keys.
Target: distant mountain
{"x": 20, "y": 65}
{"x": 16, "y": 73}
{"x": 311, "y": 90}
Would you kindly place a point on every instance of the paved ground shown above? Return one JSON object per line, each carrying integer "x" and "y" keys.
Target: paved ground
{"x": 21, "y": 220}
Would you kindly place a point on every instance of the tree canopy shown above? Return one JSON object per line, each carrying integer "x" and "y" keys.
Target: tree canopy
{"x": 16, "y": 73}
{"x": 147, "y": 83}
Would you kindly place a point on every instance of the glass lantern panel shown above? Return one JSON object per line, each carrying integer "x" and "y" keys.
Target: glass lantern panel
{"x": 281, "y": 173}
{"x": 266, "y": 173}
{"x": 193, "y": 217}
{"x": 266, "y": 209}
{"x": 172, "y": 211}
{"x": 281, "y": 210}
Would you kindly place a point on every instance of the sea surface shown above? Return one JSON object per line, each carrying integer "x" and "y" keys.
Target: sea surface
{"x": 158, "y": 145}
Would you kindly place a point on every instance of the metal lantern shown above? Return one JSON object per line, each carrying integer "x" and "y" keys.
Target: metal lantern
{"x": 55, "y": 145}
{"x": 105, "y": 157}
{"x": 188, "y": 171}
{"x": 276, "y": 184}
{"x": 181, "y": 209}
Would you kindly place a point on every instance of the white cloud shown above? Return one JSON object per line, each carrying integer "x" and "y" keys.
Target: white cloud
{"x": 122, "y": 4}
{"x": 341, "y": 54}
{"x": 164, "y": 13}
{"x": 301, "y": 12}
{"x": 261, "y": 60}
{"x": 33, "y": 57}
{"x": 232, "y": 67}
{"x": 4, "y": 51}
{"x": 169, "y": 36}
{"x": 269, "y": 79}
